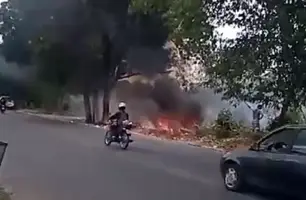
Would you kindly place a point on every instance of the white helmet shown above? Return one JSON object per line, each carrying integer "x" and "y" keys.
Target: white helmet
{"x": 122, "y": 105}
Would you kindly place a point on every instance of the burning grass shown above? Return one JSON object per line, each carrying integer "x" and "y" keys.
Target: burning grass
{"x": 222, "y": 134}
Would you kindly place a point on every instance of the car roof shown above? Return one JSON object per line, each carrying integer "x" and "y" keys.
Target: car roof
{"x": 290, "y": 126}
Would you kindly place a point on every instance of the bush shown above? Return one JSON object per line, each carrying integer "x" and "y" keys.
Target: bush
{"x": 224, "y": 124}
{"x": 226, "y": 133}
{"x": 4, "y": 195}
{"x": 291, "y": 117}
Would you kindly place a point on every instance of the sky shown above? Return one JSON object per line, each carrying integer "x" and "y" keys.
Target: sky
{"x": 228, "y": 32}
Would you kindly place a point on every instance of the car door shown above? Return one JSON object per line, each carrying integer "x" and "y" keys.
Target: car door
{"x": 274, "y": 167}
{"x": 295, "y": 173}
{"x": 277, "y": 167}
{"x": 254, "y": 164}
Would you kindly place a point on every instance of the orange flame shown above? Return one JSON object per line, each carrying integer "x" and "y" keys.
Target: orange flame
{"x": 169, "y": 126}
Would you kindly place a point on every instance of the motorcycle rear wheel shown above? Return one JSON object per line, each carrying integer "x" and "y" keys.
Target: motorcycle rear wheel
{"x": 108, "y": 138}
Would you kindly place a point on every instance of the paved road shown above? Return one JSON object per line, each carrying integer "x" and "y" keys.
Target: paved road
{"x": 48, "y": 160}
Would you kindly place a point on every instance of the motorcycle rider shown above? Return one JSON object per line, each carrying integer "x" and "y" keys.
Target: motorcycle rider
{"x": 121, "y": 115}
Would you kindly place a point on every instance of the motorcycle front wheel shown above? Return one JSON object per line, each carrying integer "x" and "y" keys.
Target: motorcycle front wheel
{"x": 108, "y": 138}
{"x": 124, "y": 141}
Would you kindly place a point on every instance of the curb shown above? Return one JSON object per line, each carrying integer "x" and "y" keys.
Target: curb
{"x": 70, "y": 119}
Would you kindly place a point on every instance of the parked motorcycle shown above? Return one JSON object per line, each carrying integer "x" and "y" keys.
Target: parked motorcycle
{"x": 122, "y": 137}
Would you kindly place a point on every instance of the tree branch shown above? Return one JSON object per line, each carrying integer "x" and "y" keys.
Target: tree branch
{"x": 138, "y": 73}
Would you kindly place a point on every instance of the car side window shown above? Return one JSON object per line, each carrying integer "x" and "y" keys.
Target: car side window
{"x": 285, "y": 136}
{"x": 299, "y": 144}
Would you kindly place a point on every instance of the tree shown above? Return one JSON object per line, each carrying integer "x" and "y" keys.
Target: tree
{"x": 188, "y": 23}
{"x": 87, "y": 55}
{"x": 190, "y": 41}
{"x": 58, "y": 55}
{"x": 265, "y": 64}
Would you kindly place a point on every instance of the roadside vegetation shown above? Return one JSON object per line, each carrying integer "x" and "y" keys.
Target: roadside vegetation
{"x": 4, "y": 195}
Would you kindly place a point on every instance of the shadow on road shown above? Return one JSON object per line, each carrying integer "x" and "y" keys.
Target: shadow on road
{"x": 131, "y": 149}
{"x": 140, "y": 150}
{"x": 270, "y": 196}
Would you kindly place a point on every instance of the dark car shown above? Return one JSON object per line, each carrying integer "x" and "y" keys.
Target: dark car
{"x": 277, "y": 162}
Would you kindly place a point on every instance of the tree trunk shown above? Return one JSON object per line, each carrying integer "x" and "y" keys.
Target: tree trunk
{"x": 107, "y": 64}
{"x": 282, "y": 117}
{"x": 87, "y": 108}
{"x": 95, "y": 106}
{"x": 106, "y": 104}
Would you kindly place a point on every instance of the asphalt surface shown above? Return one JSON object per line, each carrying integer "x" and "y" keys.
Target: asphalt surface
{"x": 50, "y": 160}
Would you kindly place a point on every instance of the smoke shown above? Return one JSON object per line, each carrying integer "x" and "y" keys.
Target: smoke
{"x": 13, "y": 71}
{"x": 137, "y": 36}
{"x": 213, "y": 104}
{"x": 152, "y": 97}
{"x": 148, "y": 61}
{"x": 157, "y": 96}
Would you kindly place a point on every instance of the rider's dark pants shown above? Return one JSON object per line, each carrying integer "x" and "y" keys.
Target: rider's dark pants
{"x": 117, "y": 131}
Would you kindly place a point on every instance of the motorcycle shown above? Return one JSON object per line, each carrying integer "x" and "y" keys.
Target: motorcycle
{"x": 122, "y": 137}
{"x": 3, "y": 108}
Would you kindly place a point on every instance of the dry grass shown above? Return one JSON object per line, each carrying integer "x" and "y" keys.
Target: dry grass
{"x": 236, "y": 137}
{"x": 209, "y": 136}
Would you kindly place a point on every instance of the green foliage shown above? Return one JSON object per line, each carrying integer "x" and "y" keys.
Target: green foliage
{"x": 57, "y": 65}
{"x": 224, "y": 124}
{"x": 266, "y": 62}
{"x": 44, "y": 95}
{"x": 187, "y": 22}
{"x": 226, "y": 127}
{"x": 86, "y": 54}
{"x": 293, "y": 116}
{"x": 225, "y": 118}
{"x": 15, "y": 44}
{"x": 296, "y": 116}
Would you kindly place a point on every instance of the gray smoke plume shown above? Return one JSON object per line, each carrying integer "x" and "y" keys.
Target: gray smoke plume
{"x": 213, "y": 104}
{"x": 150, "y": 98}
{"x": 148, "y": 60}
{"x": 13, "y": 71}
{"x": 161, "y": 96}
